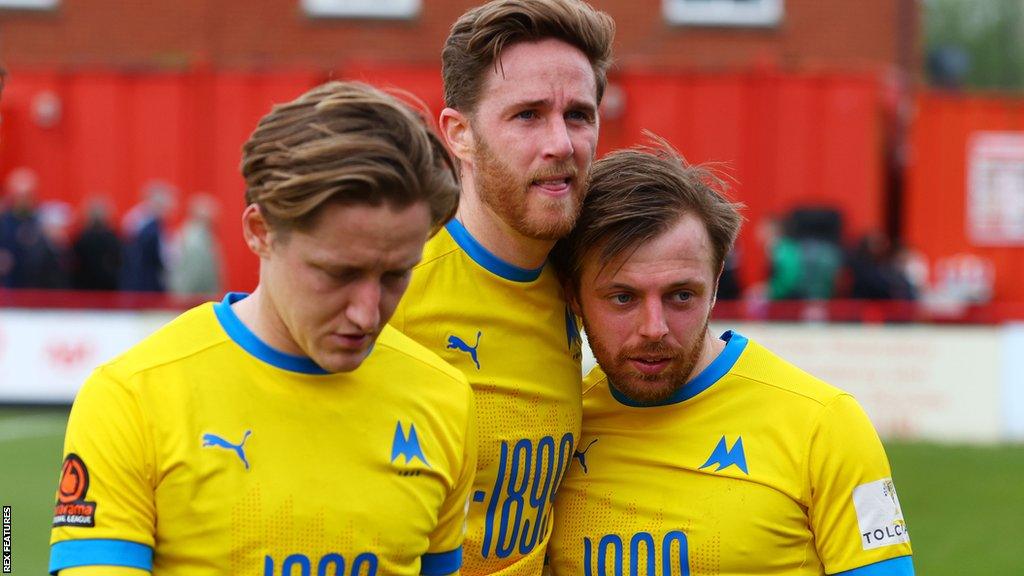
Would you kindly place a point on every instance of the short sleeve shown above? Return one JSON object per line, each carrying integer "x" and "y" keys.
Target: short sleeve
{"x": 445, "y": 552}
{"x": 855, "y": 515}
{"x": 104, "y": 513}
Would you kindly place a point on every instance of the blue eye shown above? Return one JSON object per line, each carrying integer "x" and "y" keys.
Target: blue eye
{"x": 682, "y": 296}
{"x": 622, "y": 298}
{"x": 527, "y": 115}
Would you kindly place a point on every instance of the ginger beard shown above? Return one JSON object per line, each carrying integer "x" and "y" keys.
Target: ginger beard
{"x": 641, "y": 388}
{"x": 529, "y": 213}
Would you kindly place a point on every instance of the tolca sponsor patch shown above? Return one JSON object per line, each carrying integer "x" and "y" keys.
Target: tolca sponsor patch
{"x": 879, "y": 514}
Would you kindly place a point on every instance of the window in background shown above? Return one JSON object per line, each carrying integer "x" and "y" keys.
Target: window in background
{"x": 398, "y": 9}
{"x": 723, "y": 12}
{"x": 29, "y": 4}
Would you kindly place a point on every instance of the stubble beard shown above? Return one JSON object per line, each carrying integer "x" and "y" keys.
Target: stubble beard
{"x": 641, "y": 388}
{"x": 510, "y": 198}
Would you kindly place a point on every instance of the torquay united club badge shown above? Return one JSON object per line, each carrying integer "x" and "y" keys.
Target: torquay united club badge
{"x": 72, "y": 509}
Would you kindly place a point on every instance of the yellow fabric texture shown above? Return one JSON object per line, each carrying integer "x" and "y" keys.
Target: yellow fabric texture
{"x": 524, "y": 367}
{"x": 664, "y": 487}
{"x": 319, "y": 483}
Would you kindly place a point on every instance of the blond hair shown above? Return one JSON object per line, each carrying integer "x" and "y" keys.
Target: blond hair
{"x": 345, "y": 142}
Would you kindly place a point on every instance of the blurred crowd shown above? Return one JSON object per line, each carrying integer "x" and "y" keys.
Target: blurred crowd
{"x": 809, "y": 260}
{"x": 44, "y": 245}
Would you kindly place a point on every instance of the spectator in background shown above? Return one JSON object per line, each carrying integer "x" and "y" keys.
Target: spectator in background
{"x": 143, "y": 258}
{"x": 806, "y": 255}
{"x": 46, "y": 260}
{"x": 912, "y": 265}
{"x": 874, "y": 272}
{"x": 729, "y": 282}
{"x": 97, "y": 250}
{"x": 197, "y": 262}
{"x": 20, "y": 231}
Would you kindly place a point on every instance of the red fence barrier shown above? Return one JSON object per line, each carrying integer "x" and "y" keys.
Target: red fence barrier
{"x": 787, "y": 140}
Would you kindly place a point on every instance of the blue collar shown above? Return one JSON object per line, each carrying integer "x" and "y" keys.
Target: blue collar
{"x": 488, "y": 260}
{"x": 251, "y": 343}
{"x": 720, "y": 366}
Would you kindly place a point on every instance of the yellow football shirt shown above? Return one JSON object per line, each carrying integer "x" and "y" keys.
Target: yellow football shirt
{"x": 754, "y": 467}
{"x": 203, "y": 451}
{"x": 509, "y": 330}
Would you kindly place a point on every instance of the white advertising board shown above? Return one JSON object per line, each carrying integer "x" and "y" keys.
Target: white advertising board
{"x": 916, "y": 381}
{"x": 45, "y": 355}
{"x": 945, "y": 383}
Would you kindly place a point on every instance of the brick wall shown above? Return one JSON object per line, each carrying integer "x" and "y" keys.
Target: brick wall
{"x": 258, "y": 34}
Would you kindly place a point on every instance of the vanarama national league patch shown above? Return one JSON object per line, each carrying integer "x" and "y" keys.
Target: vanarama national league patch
{"x": 72, "y": 508}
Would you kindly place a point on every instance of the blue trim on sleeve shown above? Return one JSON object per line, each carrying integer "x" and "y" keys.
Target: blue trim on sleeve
{"x": 720, "y": 366}
{"x": 485, "y": 258}
{"x": 251, "y": 343}
{"x": 441, "y": 563}
{"x": 902, "y": 566}
{"x": 75, "y": 553}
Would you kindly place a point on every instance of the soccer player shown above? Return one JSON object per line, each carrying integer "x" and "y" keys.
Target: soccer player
{"x": 522, "y": 81}
{"x": 288, "y": 431}
{"x": 702, "y": 455}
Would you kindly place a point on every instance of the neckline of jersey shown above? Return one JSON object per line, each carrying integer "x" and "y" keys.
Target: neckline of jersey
{"x": 251, "y": 343}
{"x": 735, "y": 344}
{"x": 484, "y": 257}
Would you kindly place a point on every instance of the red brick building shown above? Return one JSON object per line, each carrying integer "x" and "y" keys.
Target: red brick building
{"x": 791, "y": 35}
{"x": 796, "y": 97}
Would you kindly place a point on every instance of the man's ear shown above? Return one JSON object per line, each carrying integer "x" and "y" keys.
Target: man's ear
{"x": 458, "y": 133}
{"x": 718, "y": 281}
{"x": 571, "y": 299}
{"x": 257, "y": 233}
